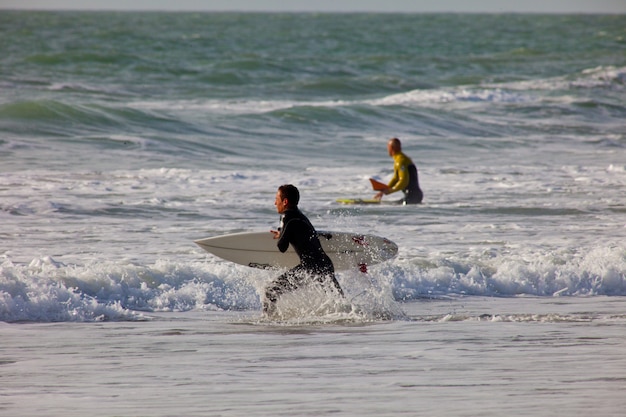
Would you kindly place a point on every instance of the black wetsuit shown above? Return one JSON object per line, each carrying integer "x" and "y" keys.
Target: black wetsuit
{"x": 298, "y": 231}
{"x": 413, "y": 193}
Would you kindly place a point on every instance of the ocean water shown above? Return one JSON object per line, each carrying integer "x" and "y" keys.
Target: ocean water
{"x": 126, "y": 136}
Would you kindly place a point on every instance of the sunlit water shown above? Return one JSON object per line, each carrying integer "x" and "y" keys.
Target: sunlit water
{"x": 124, "y": 137}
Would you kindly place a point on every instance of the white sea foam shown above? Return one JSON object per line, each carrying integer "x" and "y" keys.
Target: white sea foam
{"x": 49, "y": 290}
{"x": 126, "y": 136}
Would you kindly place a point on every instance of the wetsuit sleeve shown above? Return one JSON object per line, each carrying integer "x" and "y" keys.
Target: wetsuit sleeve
{"x": 400, "y": 178}
{"x": 283, "y": 240}
{"x": 293, "y": 230}
{"x": 394, "y": 180}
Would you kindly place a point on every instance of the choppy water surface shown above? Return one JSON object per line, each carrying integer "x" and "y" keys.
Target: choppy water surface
{"x": 125, "y": 136}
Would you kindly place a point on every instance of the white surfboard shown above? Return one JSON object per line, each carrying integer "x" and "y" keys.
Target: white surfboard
{"x": 259, "y": 250}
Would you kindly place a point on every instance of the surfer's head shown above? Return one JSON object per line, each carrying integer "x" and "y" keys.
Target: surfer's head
{"x": 287, "y": 197}
{"x": 394, "y": 146}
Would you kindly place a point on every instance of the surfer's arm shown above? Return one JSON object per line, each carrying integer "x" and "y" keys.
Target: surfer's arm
{"x": 391, "y": 187}
{"x": 393, "y": 183}
{"x": 380, "y": 194}
{"x": 401, "y": 184}
{"x": 283, "y": 239}
{"x": 400, "y": 179}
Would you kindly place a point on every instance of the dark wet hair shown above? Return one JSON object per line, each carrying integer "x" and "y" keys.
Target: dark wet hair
{"x": 291, "y": 193}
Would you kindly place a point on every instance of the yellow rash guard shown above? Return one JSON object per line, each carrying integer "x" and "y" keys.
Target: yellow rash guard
{"x": 400, "y": 180}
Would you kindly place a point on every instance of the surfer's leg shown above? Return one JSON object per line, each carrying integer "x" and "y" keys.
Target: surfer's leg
{"x": 336, "y": 284}
{"x": 327, "y": 278}
{"x": 284, "y": 283}
{"x": 413, "y": 197}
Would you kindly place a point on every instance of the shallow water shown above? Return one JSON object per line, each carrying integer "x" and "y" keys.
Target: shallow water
{"x": 459, "y": 356}
{"x": 124, "y": 137}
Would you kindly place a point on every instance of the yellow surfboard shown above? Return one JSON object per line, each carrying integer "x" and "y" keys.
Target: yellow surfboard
{"x": 358, "y": 201}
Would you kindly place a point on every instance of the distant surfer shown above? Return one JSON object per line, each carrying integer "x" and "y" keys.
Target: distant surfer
{"x": 405, "y": 177}
{"x": 297, "y": 230}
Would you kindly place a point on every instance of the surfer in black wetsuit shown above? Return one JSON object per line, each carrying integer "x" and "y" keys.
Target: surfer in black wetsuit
{"x": 297, "y": 230}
